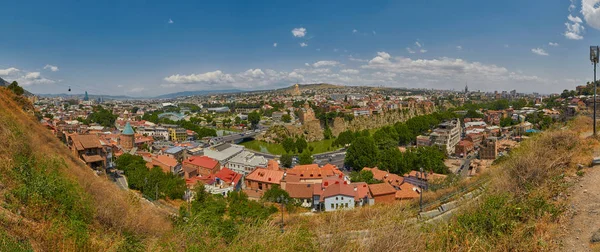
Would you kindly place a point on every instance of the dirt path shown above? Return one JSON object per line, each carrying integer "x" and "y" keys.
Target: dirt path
{"x": 583, "y": 212}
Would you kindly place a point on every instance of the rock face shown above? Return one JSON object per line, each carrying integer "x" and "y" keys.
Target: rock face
{"x": 313, "y": 130}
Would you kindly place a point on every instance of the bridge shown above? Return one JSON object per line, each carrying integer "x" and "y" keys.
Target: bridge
{"x": 233, "y": 138}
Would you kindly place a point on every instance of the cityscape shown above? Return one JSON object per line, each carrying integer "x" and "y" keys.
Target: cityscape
{"x": 435, "y": 148}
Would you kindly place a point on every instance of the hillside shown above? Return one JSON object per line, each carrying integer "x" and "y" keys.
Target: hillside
{"x": 51, "y": 201}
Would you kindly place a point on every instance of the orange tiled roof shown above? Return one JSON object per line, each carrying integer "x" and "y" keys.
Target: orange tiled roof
{"x": 299, "y": 190}
{"x": 265, "y": 176}
{"x": 407, "y": 191}
{"x": 381, "y": 189}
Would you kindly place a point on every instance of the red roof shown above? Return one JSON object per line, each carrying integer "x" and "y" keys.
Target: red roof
{"x": 381, "y": 189}
{"x": 228, "y": 176}
{"x": 362, "y": 190}
{"x": 202, "y": 161}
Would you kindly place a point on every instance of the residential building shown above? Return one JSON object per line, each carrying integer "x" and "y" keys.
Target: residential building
{"x": 223, "y": 182}
{"x": 89, "y": 149}
{"x": 423, "y": 141}
{"x": 263, "y": 179}
{"x": 447, "y": 134}
{"x": 177, "y": 134}
{"x": 489, "y": 149}
{"x": 175, "y": 152}
{"x": 463, "y": 148}
{"x": 301, "y": 192}
{"x": 361, "y": 112}
{"x": 200, "y": 166}
{"x": 245, "y": 162}
{"x": 338, "y": 196}
{"x": 384, "y": 176}
{"x": 166, "y": 163}
{"x": 383, "y": 192}
{"x": 407, "y": 191}
{"x": 312, "y": 173}
{"x": 223, "y": 152}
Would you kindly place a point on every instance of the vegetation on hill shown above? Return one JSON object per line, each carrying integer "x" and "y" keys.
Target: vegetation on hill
{"x": 49, "y": 200}
{"x": 152, "y": 183}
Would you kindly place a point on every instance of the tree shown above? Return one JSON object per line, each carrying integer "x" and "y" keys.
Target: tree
{"x": 391, "y": 160}
{"x": 507, "y": 121}
{"x": 286, "y": 118}
{"x": 305, "y": 158}
{"x": 327, "y": 134}
{"x": 386, "y": 138}
{"x": 254, "y": 119}
{"x": 404, "y": 134}
{"x": 344, "y": 138}
{"x": 363, "y": 176}
{"x": 286, "y": 160}
{"x": 301, "y": 144}
{"x": 288, "y": 144}
{"x": 361, "y": 153}
{"x": 238, "y": 120}
{"x": 471, "y": 113}
{"x": 15, "y": 88}
{"x": 274, "y": 193}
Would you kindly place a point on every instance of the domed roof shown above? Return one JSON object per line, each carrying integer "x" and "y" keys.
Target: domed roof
{"x": 128, "y": 130}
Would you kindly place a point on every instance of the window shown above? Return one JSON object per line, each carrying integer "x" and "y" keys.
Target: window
{"x": 346, "y": 204}
{"x": 342, "y": 198}
{"x": 336, "y": 198}
{"x": 260, "y": 186}
{"x": 332, "y": 206}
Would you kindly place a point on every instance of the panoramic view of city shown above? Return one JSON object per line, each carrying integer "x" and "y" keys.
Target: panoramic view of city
{"x": 299, "y": 126}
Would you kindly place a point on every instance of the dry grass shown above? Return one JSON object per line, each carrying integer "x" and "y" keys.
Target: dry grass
{"x": 115, "y": 211}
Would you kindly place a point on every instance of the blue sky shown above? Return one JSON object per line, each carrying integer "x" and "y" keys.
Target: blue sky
{"x": 133, "y": 48}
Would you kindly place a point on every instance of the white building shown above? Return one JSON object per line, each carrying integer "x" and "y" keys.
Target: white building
{"x": 223, "y": 152}
{"x": 338, "y": 196}
{"x": 245, "y": 162}
{"x": 447, "y": 134}
{"x": 156, "y": 132}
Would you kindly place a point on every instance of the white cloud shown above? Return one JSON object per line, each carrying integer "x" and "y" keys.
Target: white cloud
{"x": 354, "y": 31}
{"x": 418, "y": 44}
{"x": 119, "y": 86}
{"x": 574, "y": 31}
{"x": 572, "y": 6}
{"x": 51, "y": 67}
{"x": 136, "y": 90}
{"x": 539, "y": 51}
{"x": 591, "y": 13}
{"x": 459, "y": 48}
{"x": 303, "y": 44}
{"x": 552, "y": 44}
{"x": 210, "y": 78}
{"x": 447, "y": 72}
{"x": 9, "y": 71}
{"x": 349, "y": 71}
{"x": 324, "y": 63}
{"x": 410, "y": 50}
{"x": 32, "y": 76}
{"x": 170, "y": 21}
{"x": 574, "y": 19}
{"x": 299, "y": 32}
{"x": 423, "y": 51}
{"x": 275, "y": 44}
{"x": 352, "y": 58}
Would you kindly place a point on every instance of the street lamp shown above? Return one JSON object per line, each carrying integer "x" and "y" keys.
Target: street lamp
{"x": 594, "y": 51}
{"x": 282, "y": 200}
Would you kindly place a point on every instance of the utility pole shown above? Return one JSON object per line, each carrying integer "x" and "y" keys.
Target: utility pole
{"x": 421, "y": 194}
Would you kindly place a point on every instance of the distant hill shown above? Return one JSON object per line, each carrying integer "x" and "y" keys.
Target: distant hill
{"x": 92, "y": 97}
{"x": 3, "y": 83}
{"x": 199, "y": 92}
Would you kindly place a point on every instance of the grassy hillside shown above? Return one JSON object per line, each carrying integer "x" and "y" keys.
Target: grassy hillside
{"x": 49, "y": 200}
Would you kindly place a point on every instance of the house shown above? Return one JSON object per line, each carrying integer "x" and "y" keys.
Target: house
{"x": 383, "y": 192}
{"x": 312, "y": 173}
{"x": 489, "y": 149}
{"x": 200, "y": 166}
{"x": 407, "y": 191}
{"x": 166, "y": 163}
{"x": 301, "y": 192}
{"x": 338, "y": 196}
{"x": 263, "y": 179}
{"x": 362, "y": 195}
{"x": 89, "y": 149}
{"x": 421, "y": 179}
{"x": 223, "y": 182}
{"x": 384, "y": 176}
{"x": 463, "y": 148}
{"x": 175, "y": 152}
{"x": 245, "y": 162}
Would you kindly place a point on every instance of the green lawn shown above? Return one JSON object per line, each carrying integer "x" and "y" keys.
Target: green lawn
{"x": 277, "y": 149}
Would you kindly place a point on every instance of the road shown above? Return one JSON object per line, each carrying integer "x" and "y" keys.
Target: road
{"x": 335, "y": 158}
{"x": 463, "y": 171}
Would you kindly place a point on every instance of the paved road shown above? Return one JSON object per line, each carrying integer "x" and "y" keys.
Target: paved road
{"x": 233, "y": 137}
{"x": 463, "y": 170}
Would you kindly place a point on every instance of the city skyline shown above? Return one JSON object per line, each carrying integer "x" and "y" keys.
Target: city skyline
{"x": 150, "y": 49}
